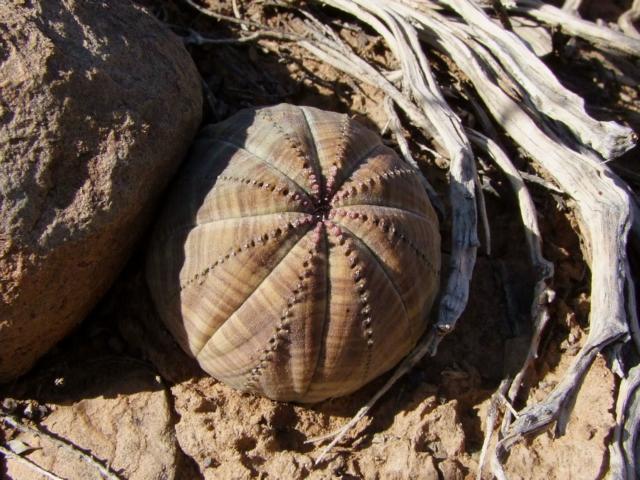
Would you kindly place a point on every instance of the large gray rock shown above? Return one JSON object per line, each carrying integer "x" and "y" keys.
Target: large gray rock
{"x": 98, "y": 104}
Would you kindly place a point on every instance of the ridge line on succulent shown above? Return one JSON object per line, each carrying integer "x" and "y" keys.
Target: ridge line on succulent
{"x": 325, "y": 321}
{"x": 342, "y": 150}
{"x": 362, "y": 289}
{"x": 307, "y": 163}
{"x": 269, "y": 164}
{"x": 381, "y": 265}
{"x": 283, "y": 325}
{"x": 315, "y": 158}
{"x": 233, "y": 251}
{"x": 192, "y": 226}
{"x": 278, "y": 188}
{"x": 387, "y": 207}
{"x": 358, "y": 163}
{"x": 386, "y": 176}
{"x": 273, "y": 269}
{"x": 394, "y": 232}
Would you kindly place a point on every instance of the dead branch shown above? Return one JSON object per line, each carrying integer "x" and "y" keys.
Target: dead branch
{"x": 540, "y": 181}
{"x": 191, "y": 37}
{"x": 539, "y": 87}
{"x": 89, "y": 459}
{"x": 543, "y": 295}
{"x": 490, "y": 422}
{"x": 602, "y": 37}
{"x": 623, "y": 448}
{"x": 29, "y": 464}
{"x": 604, "y": 209}
{"x": 627, "y": 18}
{"x": 572, "y": 7}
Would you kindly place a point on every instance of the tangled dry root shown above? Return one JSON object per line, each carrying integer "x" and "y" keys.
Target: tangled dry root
{"x": 517, "y": 95}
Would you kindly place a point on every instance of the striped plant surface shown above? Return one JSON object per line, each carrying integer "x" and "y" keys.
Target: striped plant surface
{"x": 297, "y": 256}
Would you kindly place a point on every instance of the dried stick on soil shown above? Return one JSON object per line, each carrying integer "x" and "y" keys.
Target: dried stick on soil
{"x": 531, "y": 178}
{"x": 490, "y": 422}
{"x": 572, "y": 7}
{"x": 623, "y": 446}
{"x": 600, "y": 36}
{"x": 634, "y": 321}
{"x": 262, "y": 31}
{"x": 484, "y": 217}
{"x": 29, "y": 464}
{"x": 543, "y": 295}
{"x": 623, "y": 458}
{"x": 219, "y": 16}
{"x": 603, "y": 205}
{"x": 74, "y": 450}
{"x": 539, "y": 87}
{"x": 236, "y": 13}
{"x": 627, "y": 18}
{"x": 191, "y": 37}
{"x": 542, "y": 267}
{"x": 424, "y": 347}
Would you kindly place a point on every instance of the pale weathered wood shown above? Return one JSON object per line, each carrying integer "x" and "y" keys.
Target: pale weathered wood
{"x": 572, "y": 6}
{"x": 627, "y": 18}
{"x": 604, "y": 38}
{"x": 538, "y": 86}
{"x": 542, "y": 297}
{"x": 533, "y": 35}
{"x": 604, "y": 209}
{"x": 623, "y": 448}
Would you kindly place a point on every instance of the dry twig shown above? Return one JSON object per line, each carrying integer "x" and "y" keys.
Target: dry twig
{"x": 89, "y": 459}
{"x": 602, "y": 37}
{"x": 572, "y": 7}
{"x": 29, "y": 464}
{"x": 627, "y": 18}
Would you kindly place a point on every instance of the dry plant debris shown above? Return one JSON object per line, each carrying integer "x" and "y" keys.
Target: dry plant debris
{"x": 522, "y": 98}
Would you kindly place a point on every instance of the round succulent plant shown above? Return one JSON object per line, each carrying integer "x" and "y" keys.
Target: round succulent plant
{"x": 297, "y": 256}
